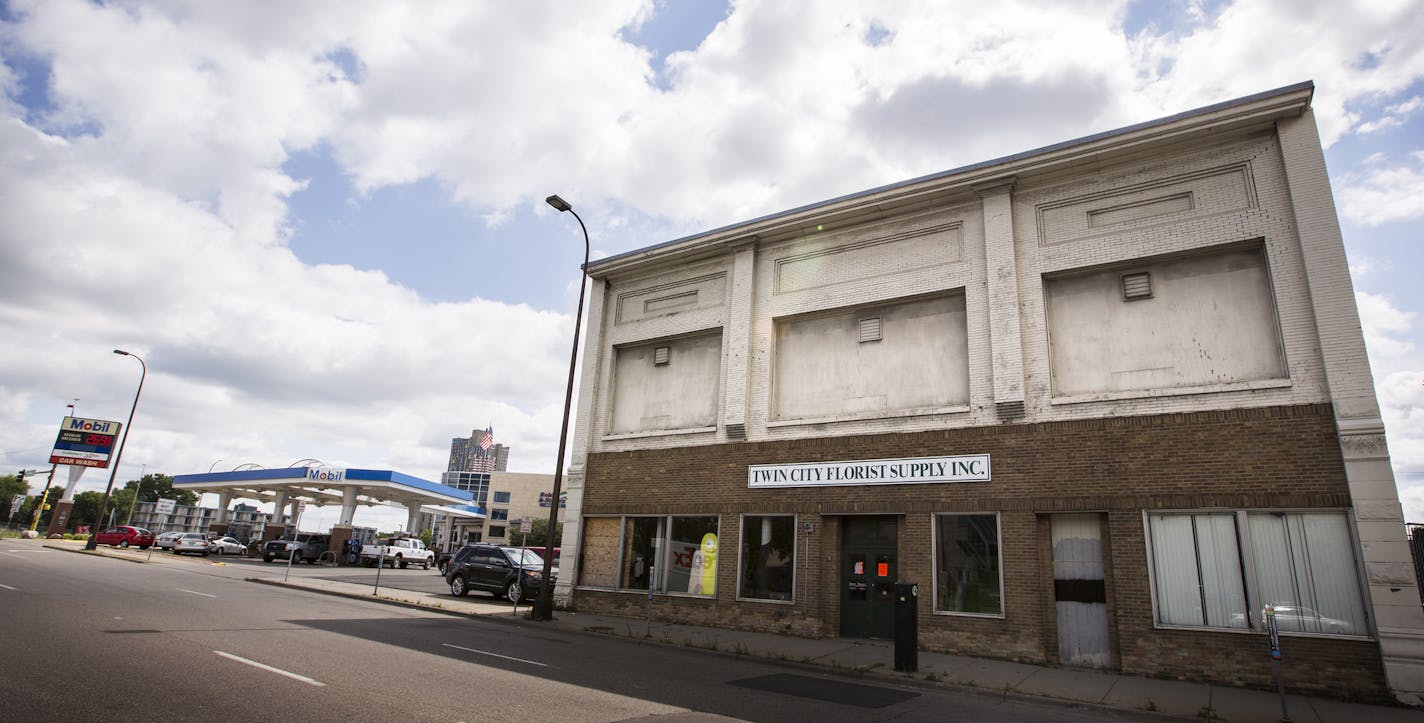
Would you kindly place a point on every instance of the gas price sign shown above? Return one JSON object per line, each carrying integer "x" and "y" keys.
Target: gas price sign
{"x": 85, "y": 442}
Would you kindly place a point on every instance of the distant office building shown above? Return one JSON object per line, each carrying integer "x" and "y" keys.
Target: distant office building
{"x": 477, "y": 453}
{"x": 476, "y": 482}
{"x": 514, "y": 496}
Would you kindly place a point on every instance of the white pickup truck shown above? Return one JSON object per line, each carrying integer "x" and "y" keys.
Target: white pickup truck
{"x": 404, "y": 551}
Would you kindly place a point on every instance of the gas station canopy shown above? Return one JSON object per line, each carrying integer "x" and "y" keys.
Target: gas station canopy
{"x": 322, "y": 486}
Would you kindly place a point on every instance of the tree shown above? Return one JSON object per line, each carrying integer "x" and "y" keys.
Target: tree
{"x": 155, "y": 485}
{"x": 86, "y": 508}
{"x": 538, "y": 534}
{"x": 10, "y": 485}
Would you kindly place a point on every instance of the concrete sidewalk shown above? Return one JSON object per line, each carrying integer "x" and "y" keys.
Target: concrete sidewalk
{"x": 875, "y": 659}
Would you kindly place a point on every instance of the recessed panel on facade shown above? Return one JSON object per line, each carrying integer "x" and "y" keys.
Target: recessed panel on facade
{"x": 918, "y": 470}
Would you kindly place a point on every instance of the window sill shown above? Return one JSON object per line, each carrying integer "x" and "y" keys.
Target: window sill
{"x": 644, "y": 593}
{"x": 1253, "y": 631}
{"x": 869, "y": 416}
{"x": 984, "y": 616}
{"x": 1172, "y": 392}
{"x": 766, "y": 601}
{"x": 657, "y": 433}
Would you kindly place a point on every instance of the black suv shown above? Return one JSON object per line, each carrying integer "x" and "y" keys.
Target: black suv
{"x": 509, "y": 572}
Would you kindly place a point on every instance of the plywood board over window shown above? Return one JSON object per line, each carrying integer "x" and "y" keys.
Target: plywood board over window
{"x": 894, "y": 358}
{"x": 667, "y": 385}
{"x": 1209, "y": 319}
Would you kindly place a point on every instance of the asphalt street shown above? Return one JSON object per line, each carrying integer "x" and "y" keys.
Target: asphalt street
{"x": 84, "y": 637}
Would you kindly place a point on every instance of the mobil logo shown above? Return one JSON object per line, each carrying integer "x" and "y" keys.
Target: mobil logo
{"x": 93, "y": 425}
{"x": 326, "y": 474}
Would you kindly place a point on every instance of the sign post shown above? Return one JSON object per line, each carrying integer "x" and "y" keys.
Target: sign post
{"x": 163, "y": 506}
{"x": 526, "y": 524}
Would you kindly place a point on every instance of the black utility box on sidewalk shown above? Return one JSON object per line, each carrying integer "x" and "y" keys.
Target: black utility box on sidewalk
{"x": 907, "y": 629}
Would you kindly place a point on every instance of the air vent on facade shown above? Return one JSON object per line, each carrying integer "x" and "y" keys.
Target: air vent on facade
{"x": 662, "y": 355}
{"x": 736, "y": 431}
{"x": 870, "y": 329}
{"x": 1010, "y": 410}
{"x": 1136, "y": 286}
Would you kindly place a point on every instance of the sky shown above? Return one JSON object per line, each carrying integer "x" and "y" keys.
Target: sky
{"x": 321, "y": 224}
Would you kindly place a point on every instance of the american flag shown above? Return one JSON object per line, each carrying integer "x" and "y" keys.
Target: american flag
{"x": 487, "y": 441}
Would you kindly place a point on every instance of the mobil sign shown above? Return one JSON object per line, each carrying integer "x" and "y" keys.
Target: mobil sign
{"x": 85, "y": 442}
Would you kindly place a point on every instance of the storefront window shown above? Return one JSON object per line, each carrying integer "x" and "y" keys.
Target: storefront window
{"x": 1303, "y": 566}
{"x": 768, "y": 557}
{"x": 664, "y": 554}
{"x": 967, "y": 564}
{"x": 642, "y": 545}
{"x": 1197, "y": 569}
{"x": 692, "y": 556}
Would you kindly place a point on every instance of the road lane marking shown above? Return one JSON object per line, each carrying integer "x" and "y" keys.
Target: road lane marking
{"x": 195, "y": 592}
{"x": 271, "y": 669}
{"x": 7, "y": 587}
{"x": 495, "y": 655}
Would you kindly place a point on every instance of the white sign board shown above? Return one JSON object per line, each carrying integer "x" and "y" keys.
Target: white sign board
{"x": 919, "y": 470}
{"x": 526, "y": 525}
{"x": 164, "y": 506}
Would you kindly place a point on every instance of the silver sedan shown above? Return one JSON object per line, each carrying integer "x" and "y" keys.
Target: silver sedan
{"x": 227, "y": 546}
{"x": 191, "y": 542}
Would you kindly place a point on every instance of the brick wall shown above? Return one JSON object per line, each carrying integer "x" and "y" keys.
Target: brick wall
{"x": 1272, "y": 457}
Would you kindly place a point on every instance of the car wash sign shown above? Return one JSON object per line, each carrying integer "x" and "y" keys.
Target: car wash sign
{"x": 85, "y": 442}
{"x": 916, "y": 471}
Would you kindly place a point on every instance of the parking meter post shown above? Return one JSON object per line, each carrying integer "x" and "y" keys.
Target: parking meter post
{"x": 907, "y": 644}
{"x": 1268, "y": 616}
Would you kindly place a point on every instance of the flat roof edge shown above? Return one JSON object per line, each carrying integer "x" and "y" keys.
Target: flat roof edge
{"x": 1276, "y": 100}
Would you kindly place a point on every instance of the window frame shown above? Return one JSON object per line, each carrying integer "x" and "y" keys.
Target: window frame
{"x": 795, "y": 559}
{"x": 1246, "y": 555}
{"x": 934, "y": 565}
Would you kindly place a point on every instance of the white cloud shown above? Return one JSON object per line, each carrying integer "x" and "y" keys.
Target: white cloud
{"x": 1382, "y": 193}
{"x": 148, "y": 208}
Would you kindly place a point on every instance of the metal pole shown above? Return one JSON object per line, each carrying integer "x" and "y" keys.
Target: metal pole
{"x": 380, "y": 563}
{"x": 544, "y": 606}
{"x": 137, "y": 489}
{"x": 93, "y": 543}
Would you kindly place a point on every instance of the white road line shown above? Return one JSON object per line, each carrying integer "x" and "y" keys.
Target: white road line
{"x": 495, "y": 655}
{"x": 195, "y": 592}
{"x": 7, "y": 587}
{"x": 271, "y": 669}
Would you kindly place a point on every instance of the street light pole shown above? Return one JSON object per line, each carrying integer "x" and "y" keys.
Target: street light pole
{"x": 544, "y": 605}
{"x": 93, "y": 542}
{"x": 137, "y": 489}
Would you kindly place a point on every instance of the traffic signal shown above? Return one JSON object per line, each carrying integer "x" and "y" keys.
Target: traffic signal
{"x": 21, "y": 475}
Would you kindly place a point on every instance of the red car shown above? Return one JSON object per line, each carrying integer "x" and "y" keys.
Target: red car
{"x": 124, "y": 535}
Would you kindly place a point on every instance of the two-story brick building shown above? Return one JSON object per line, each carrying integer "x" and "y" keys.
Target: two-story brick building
{"x": 1104, "y": 401}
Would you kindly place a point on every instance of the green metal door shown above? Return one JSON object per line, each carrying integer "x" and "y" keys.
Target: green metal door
{"x": 868, "y": 571}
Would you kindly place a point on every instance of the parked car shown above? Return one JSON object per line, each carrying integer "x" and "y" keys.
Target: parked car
{"x": 191, "y": 542}
{"x": 399, "y": 551}
{"x": 166, "y": 540}
{"x": 308, "y": 547}
{"x": 124, "y": 536}
{"x": 227, "y": 546}
{"x": 509, "y": 572}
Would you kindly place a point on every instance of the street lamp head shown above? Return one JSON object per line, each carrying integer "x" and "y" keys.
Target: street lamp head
{"x": 122, "y": 352}
{"x": 558, "y": 203}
